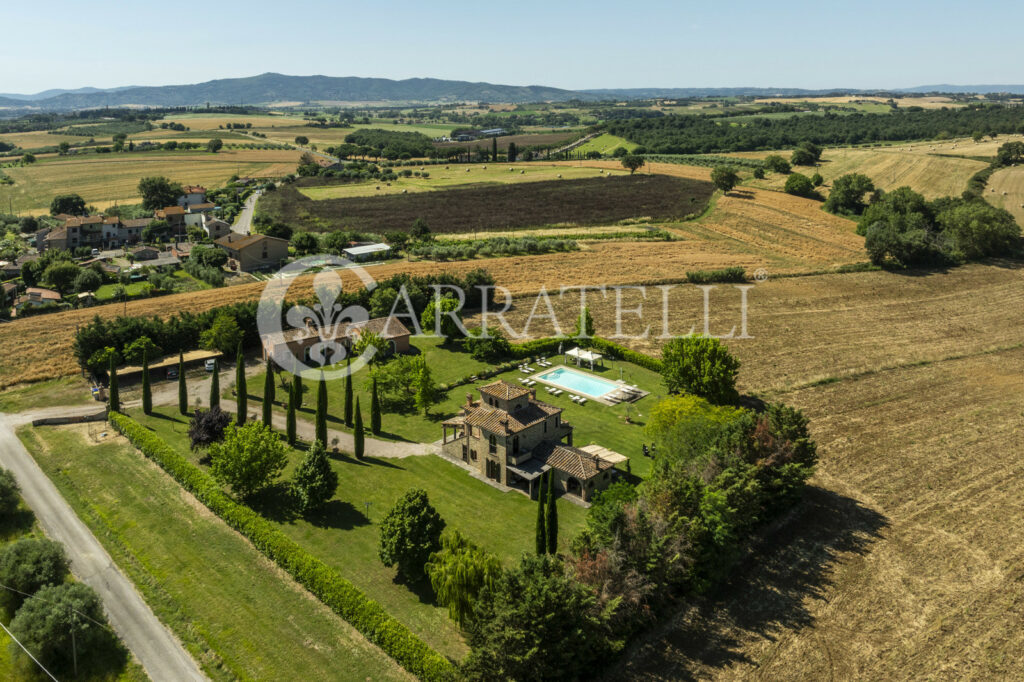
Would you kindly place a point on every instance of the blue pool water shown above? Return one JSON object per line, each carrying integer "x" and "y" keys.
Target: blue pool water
{"x": 578, "y": 382}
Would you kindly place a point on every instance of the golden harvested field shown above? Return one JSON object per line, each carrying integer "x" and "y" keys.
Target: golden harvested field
{"x": 215, "y": 121}
{"x": 104, "y": 179}
{"x": 1006, "y": 190}
{"x": 41, "y": 138}
{"x": 889, "y": 168}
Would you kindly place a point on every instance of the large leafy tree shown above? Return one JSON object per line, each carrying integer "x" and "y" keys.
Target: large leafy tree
{"x": 440, "y": 316}
{"x": 140, "y": 348}
{"x": 71, "y": 204}
{"x": 426, "y": 389}
{"x": 535, "y": 623}
{"x": 62, "y": 275}
{"x": 847, "y": 194}
{"x": 223, "y": 335}
{"x": 633, "y": 162}
{"x": 248, "y": 459}
{"x": 64, "y": 627}
{"x": 158, "y": 192}
{"x": 725, "y": 178}
{"x": 458, "y": 572}
{"x": 9, "y": 497}
{"x": 28, "y": 564}
{"x": 314, "y": 481}
{"x": 701, "y": 365}
{"x": 409, "y": 534}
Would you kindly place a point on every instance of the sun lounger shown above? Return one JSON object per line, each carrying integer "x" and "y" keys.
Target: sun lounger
{"x": 559, "y": 391}
{"x": 582, "y": 401}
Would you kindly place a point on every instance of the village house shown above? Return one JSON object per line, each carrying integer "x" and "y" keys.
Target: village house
{"x": 253, "y": 251}
{"x": 512, "y": 438}
{"x": 144, "y": 253}
{"x": 174, "y": 216}
{"x": 196, "y": 213}
{"x": 192, "y": 195}
{"x": 35, "y": 297}
{"x": 215, "y": 228}
{"x": 283, "y": 347}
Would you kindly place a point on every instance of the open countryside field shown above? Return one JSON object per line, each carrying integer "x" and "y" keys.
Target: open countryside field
{"x": 106, "y": 179}
{"x": 601, "y": 199}
{"x": 929, "y": 102}
{"x": 451, "y": 176}
{"x": 605, "y": 144}
{"x": 546, "y": 138}
{"x": 905, "y": 557}
{"x": 1006, "y": 190}
{"x": 192, "y": 568}
{"x": 890, "y": 167}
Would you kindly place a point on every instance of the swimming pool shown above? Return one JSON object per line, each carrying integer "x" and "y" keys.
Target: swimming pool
{"x": 578, "y": 382}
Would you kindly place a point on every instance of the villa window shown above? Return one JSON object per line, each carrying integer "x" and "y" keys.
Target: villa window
{"x": 515, "y": 445}
{"x": 493, "y": 447}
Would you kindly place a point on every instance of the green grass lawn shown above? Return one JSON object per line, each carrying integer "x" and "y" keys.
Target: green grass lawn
{"x": 606, "y": 143}
{"x": 346, "y": 533}
{"x": 62, "y": 391}
{"x": 456, "y": 175}
{"x": 188, "y": 283}
{"x": 106, "y": 292}
{"x": 240, "y": 616}
{"x": 593, "y": 422}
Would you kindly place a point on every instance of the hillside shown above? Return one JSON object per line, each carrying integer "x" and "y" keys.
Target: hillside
{"x": 274, "y": 87}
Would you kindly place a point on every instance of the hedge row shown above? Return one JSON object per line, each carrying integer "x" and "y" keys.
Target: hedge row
{"x": 614, "y": 350}
{"x": 733, "y": 274}
{"x": 364, "y": 614}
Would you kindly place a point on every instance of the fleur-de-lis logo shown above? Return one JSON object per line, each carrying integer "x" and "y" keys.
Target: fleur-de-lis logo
{"x": 323, "y": 329}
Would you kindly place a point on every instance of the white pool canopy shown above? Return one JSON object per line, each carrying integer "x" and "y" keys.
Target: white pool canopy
{"x": 580, "y": 356}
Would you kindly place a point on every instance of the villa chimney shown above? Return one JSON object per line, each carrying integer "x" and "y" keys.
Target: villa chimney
{"x": 469, "y": 400}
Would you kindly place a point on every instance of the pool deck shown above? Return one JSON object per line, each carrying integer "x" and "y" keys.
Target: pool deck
{"x": 612, "y": 397}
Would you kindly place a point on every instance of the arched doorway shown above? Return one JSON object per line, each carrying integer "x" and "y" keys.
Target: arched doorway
{"x": 573, "y": 487}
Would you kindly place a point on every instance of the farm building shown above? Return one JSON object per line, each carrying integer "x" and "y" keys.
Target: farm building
{"x": 512, "y": 438}
{"x": 365, "y": 252}
{"x": 254, "y": 251}
{"x": 288, "y": 345}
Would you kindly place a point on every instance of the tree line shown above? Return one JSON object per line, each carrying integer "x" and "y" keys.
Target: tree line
{"x": 701, "y": 134}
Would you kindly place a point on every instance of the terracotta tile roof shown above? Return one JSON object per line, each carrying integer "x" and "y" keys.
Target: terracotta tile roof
{"x": 57, "y": 234}
{"x": 507, "y": 423}
{"x": 111, "y": 220}
{"x": 236, "y": 242}
{"x": 136, "y": 222}
{"x": 385, "y": 327}
{"x": 38, "y": 292}
{"x": 208, "y": 206}
{"x": 572, "y": 461}
{"x": 193, "y": 189}
{"x": 171, "y": 210}
{"x": 503, "y": 390}
{"x": 84, "y": 220}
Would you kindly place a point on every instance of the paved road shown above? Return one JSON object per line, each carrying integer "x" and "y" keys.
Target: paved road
{"x": 244, "y": 222}
{"x": 158, "y": 651}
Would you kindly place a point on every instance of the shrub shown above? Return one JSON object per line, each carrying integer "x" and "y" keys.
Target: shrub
{"x": 249, "y": 458}
{"x": 800, "y": 185}
{"x": 207, "y": 427}
{"x": 733, "y": 274}
{"x": 314, "y": 481}
{"x": 365, "y": 615}
{"x": 409, "y": 533}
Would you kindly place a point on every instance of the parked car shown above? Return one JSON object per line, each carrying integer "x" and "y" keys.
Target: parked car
{"x": 210, "y": 365}
{"x": 172, "y": 372}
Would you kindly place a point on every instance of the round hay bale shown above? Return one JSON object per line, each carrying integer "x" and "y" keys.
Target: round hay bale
{"x": 378, "y": 186}
{"x": 521, "y": 172}
{"x": 405, "y": 191}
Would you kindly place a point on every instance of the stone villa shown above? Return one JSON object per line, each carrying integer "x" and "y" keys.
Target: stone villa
{"x": 513, "y": 438}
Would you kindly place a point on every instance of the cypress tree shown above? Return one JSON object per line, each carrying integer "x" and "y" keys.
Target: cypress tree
{"x": 147, "y": 393}
{"x": 182, "y": 389}
{"x": 542, "y": 540}
{"x": 115, "y": 396}
{"x": 290, "y": 419}
{"x": 215, "y": 385}
{"x": 321, "y": 410}
{"x": 494, "y": 149}
{"x": 297, "y": 381}
{"x": 551, "y": 522}
{"x": 375, "y": 410}
{"x": 242, "y": 404}
{"x": 268, "y": 396}
{"x": 360, "y": 441}
{"x": 348, "y": 394}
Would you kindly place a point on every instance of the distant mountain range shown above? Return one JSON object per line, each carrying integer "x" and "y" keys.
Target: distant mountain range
{"x": 270, "y": 88}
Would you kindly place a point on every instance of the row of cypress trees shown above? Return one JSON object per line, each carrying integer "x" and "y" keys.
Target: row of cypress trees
{"x": 547, "y": 516}
{"x": 352, "y": 411}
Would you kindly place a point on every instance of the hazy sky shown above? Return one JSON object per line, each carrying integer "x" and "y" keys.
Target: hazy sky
{"x": 793, "y": 43}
